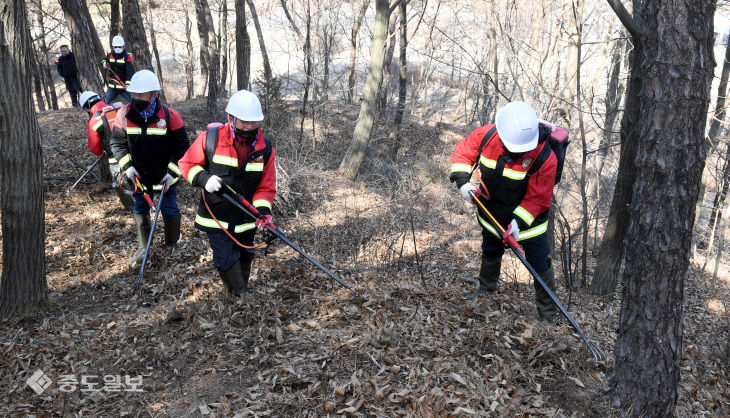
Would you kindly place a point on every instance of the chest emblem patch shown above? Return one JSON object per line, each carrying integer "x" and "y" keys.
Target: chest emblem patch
{"x": 526, "y": 162}
{"x": 161, "y": 123}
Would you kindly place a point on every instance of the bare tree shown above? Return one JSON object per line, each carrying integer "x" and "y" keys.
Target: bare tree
{"x": 203, "y": 9}
{"x": 23, "y": 282}
{"x": 262, "y": 45}
{"x": 308, "y": 66}
{"x": 204, "y": 42}
{"x": 402, "y": 78}
{"x": 243, "y": 47}
{"x": 190, "y": 62}
{"x": 135, "y": 38}
{"x": 85, "y": 43}
{"x": 355, "y": 153}
{"x": 44, "y": 66}
{"x": 353, "y": 49}
{"x": 114, "y": 19}
{"x": 153, "y": 38}
{"x": 668, "y": 112}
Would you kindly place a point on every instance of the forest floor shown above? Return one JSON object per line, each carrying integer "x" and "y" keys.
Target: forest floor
{"x": 299, "y": 344}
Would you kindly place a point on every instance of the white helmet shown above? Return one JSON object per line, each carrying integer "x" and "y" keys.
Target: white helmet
{"x": 245, "y": 106}
{"x": 143, "y": 81}
{"x": 85, "y": 96}
{"x": 517, "y": 127}
{"x": 117, "y": 41}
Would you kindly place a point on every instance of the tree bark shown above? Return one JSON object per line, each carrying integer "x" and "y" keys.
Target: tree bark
{"x": 353, "y": 50}
{"x": 44, "y": 65}
{"x": 308, "y": 69}
{"x": 114, "y": 19}
{"x": 291, "y": 21}
{"x": 223, "y": 46}
{"x": 37, "y": 83}
{"x": 243, "y": 47}
{"x": 387, "y": 62}
{"x": 153, "y": 38}
{"x": 402, "y": 79}
{"x": 190, "y": 64}
{"x": 213, "y": 58}
{"x": 204, "y": 42}
{"x": 135, "y": 39}
{"x": 355, "y": 154}
{"x": 262, "y": 45}
{"x": 85, "y": 43}
{"x": 676, "y": 72}
{"x": 23, "y": 282}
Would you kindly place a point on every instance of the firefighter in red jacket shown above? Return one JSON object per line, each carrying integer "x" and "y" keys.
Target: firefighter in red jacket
{"x": 99, "y": 128}
{"x": 120, "y": 69}
{"x": 243, "y": 159}
{"x": 515, "y": 192}
{"x": 148, "y": 140}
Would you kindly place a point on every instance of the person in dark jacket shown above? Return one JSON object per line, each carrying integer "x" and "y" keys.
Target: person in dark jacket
{"x": 119, "y": 70}
{"x": 148, "y": 140}
{"x": 66, "y": 67}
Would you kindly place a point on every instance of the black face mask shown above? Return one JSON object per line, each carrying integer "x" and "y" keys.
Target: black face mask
{"x": 247, "y": 134}
{"x": 140, "y": 105}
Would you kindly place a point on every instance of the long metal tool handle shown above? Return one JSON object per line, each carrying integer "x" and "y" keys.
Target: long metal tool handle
{"x": 274, "y": 230}
{"x": 536, "y": 276}
{"x": 88, "y": 170}
{"x": 138, "y": 281}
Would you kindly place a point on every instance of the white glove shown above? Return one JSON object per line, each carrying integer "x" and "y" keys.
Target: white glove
{"x": 104, "y": 64}
{"x": 132, "y": 173}
{"x": 213, "y": 184}
{"x": 512, "y": 229}
{"x": 166, "y": 182}
{"x": 465, "y": 189}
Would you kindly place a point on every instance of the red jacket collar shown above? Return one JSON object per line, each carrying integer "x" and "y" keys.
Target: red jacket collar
{"x": 227, "y": 136}
{"x": 97, "y": 107}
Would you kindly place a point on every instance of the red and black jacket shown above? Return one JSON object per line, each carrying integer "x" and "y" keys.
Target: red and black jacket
{"x": 252, "y": 174}
{"x": 517, "y": 190}
{"x": 99, "y": 129}
{"x": 121, "y": 65}
{"x": 153, "y": 145}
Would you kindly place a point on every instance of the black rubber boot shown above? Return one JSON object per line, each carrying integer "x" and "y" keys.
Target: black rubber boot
{"x": 245, "y": 273}
{"x": 233, "y": 279}
{"x": 143, "y": 233}
{"x": 546, "y": 308}
{"x": 488, "y": 276}
{"x": 172, "y": 230}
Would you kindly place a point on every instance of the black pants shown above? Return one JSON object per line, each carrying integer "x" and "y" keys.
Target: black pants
{"x": 74, "y": 88}
{"x": 226, "y": 252}
{"x": 536, "y": 249}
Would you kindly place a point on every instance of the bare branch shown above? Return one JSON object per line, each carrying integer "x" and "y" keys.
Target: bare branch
{"x": 625, "y": 17}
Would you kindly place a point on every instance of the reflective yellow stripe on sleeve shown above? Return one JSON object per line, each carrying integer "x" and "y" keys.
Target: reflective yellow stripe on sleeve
{"x": 223, "y": 160}
{"x": 97, "y": 124}
{"x": 244, "y": 227}
{"x": 194, "y": 172}
{"x": 209, "y": 223}
{"x": 460, "y": 167}
{"x": 533, "y": 232}
{"x": 174, "y": 168}
{"x": 124, "y": 160}
{"x": 524, "y": 215}
{"x": 112, "y": 160}
{"x": 262, "y": 203}
{"x": 487, "y": 162}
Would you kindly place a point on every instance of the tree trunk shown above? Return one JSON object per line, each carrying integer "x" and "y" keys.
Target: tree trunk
{"x": 113, "y": 19}
{"x": 45, "y": 67}
{"x": 308, "y": 69}
{"x": 37, "y": 83}
{"x": 85, "y": 43}
{"x": 719, "y": 201}
{"x": 611, "y": 253}
{"x": 135, "y": 39}
{"x": 153, "y": 38}
{"x": 204, "y": 42}
{"x": 578, "y": 38}
{"x": 213, "y": 58}
{"x": 355, "y": 154}
{"x": 190, "y": 64}
{"x": 402, "y": 79}
{"x": 223, "y": 46}
{"x": 243, "y": 47}
{"x": 676, "y": 72}
{"x": 387, "y": 61}
{"x": 259, "y": 33}
{"x": 23, "y": 282}
{"x": 353, "y": 49}
{"x": 571, "y": 63}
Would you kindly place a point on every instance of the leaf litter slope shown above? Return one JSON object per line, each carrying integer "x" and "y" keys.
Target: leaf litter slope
{"x": 299, "y": 344}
